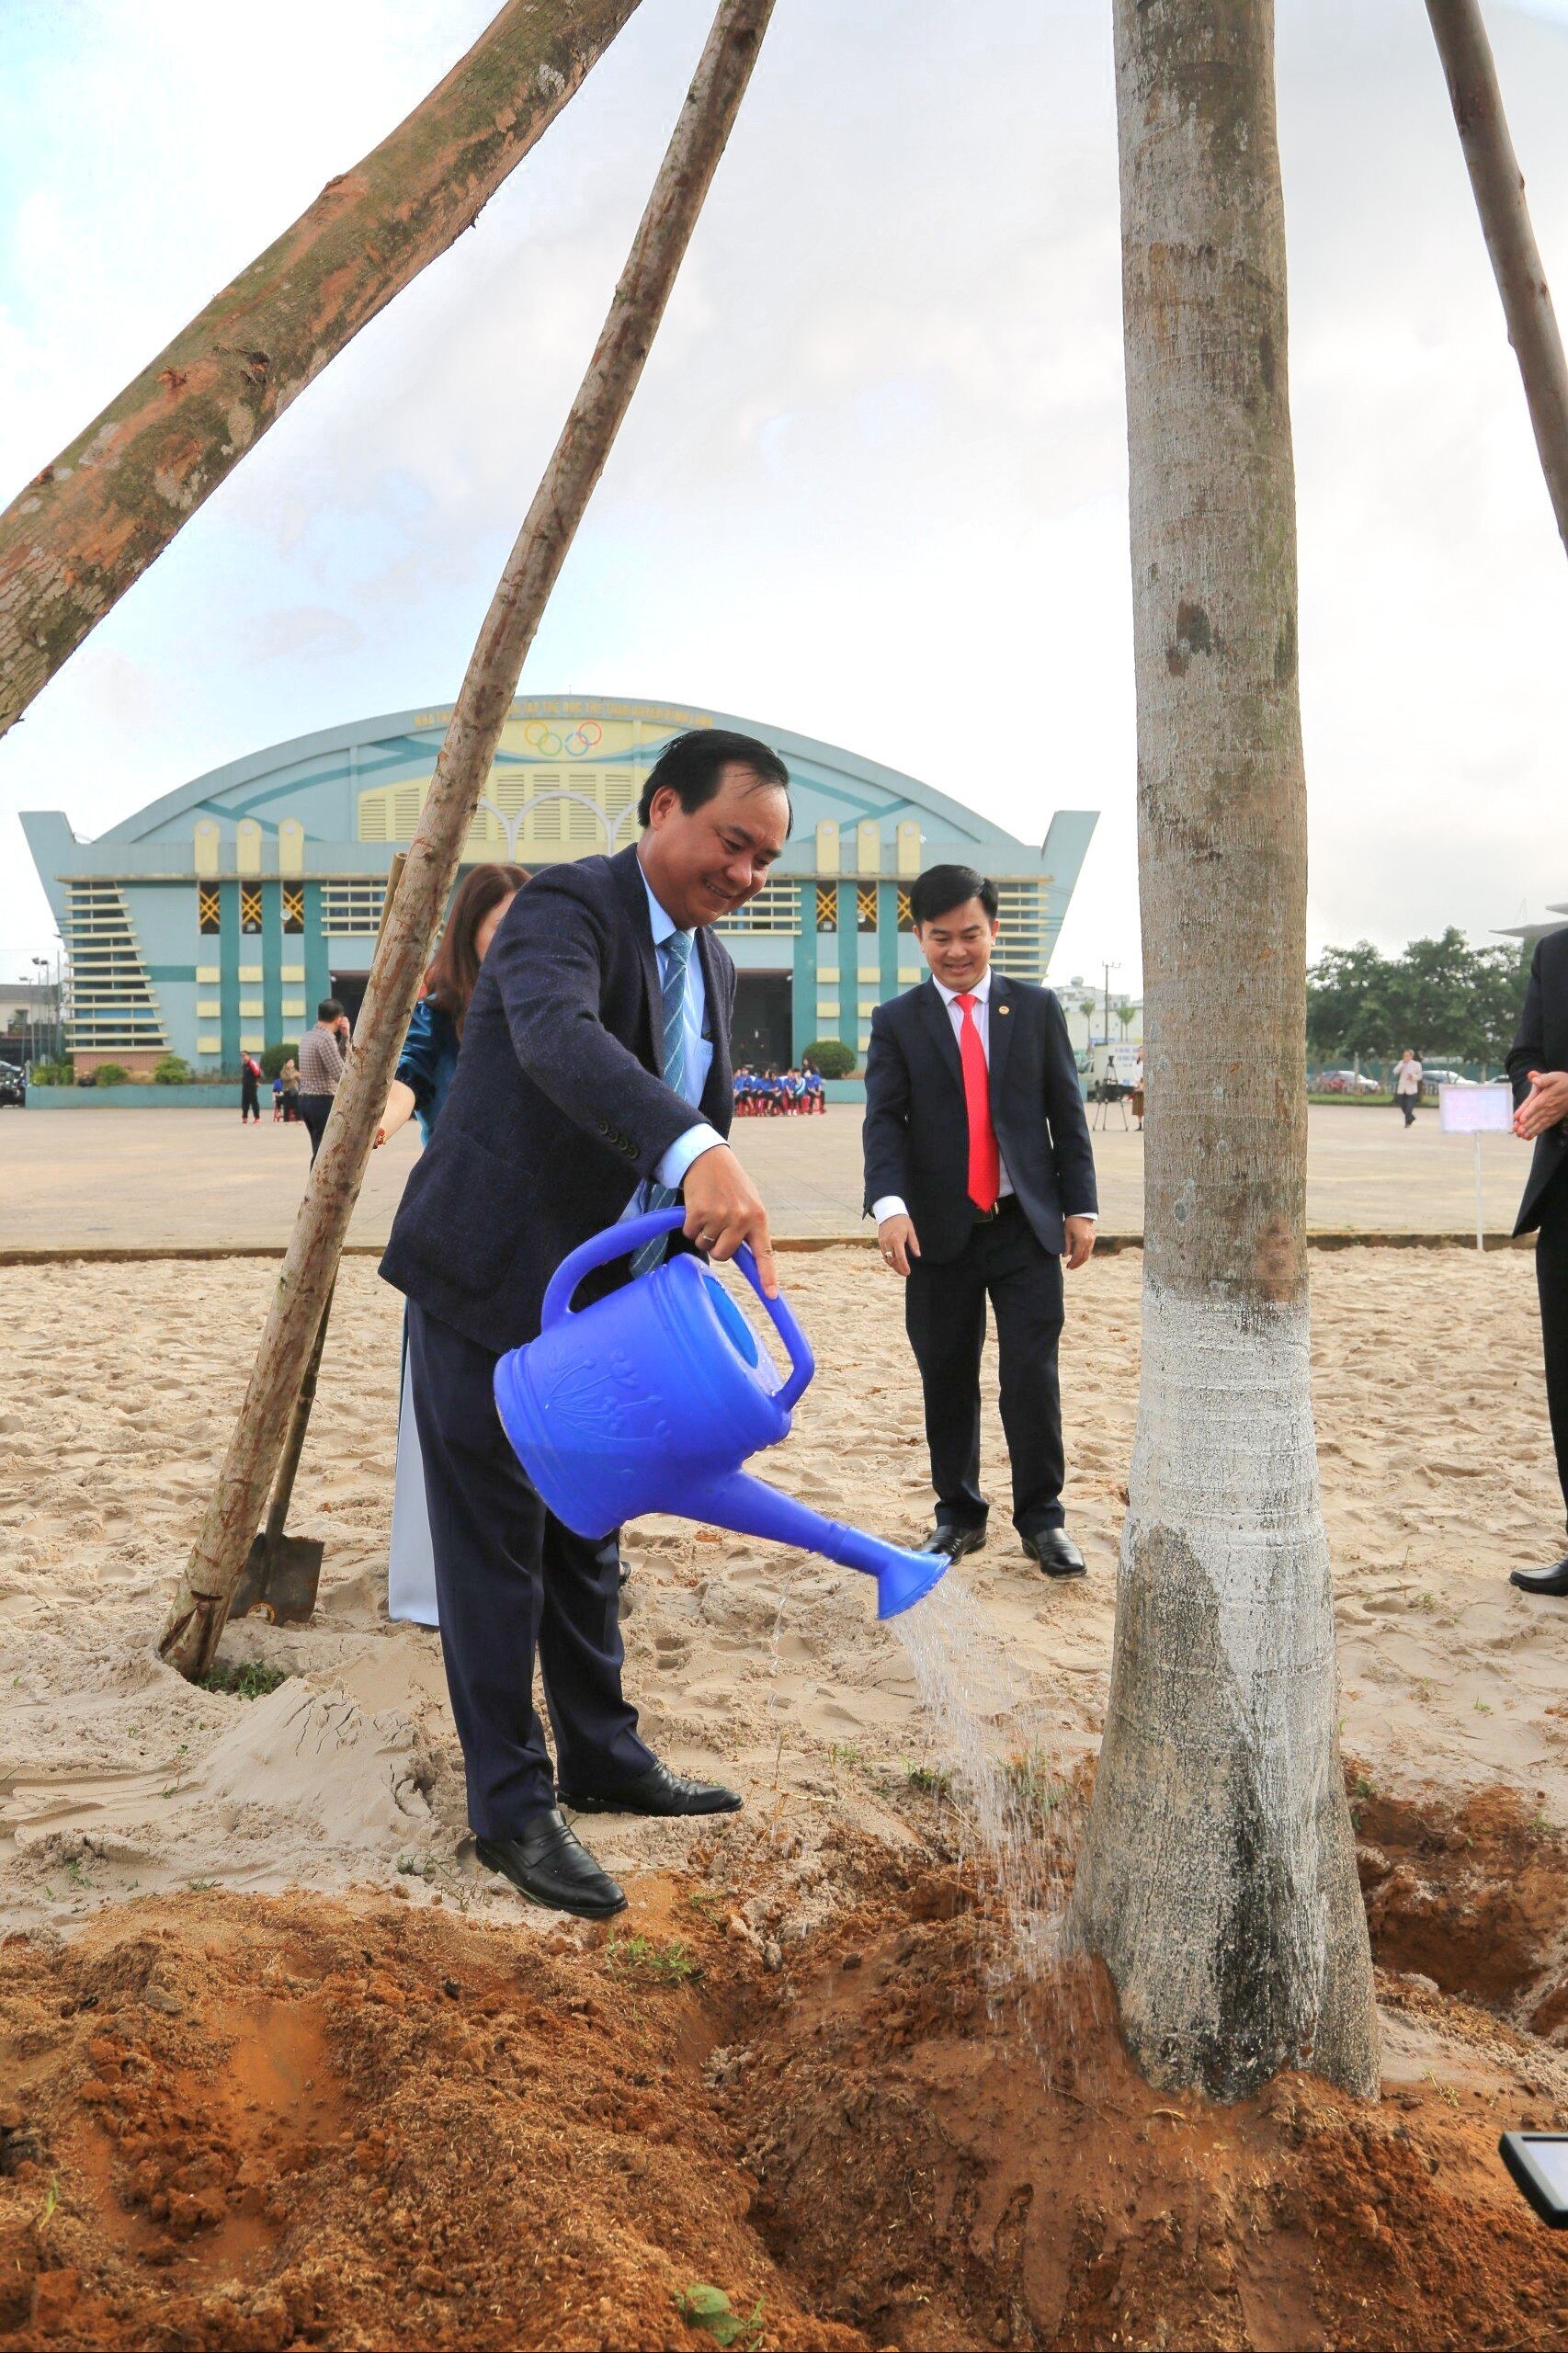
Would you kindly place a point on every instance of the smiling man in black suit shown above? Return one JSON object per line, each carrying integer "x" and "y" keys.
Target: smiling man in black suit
{"x": 1537, "y": 1065}
{"x": 980, "y": 1177}
{"x": 594, "y": 1080}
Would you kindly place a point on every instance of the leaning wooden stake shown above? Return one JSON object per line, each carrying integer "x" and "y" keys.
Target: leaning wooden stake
{"x": 1499, "y": 189}
{"x": 195, "y": 1621}
{"x": 87, "y": 525}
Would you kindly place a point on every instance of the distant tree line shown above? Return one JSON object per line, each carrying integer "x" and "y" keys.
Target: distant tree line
{"x": 1451, "y": 1002}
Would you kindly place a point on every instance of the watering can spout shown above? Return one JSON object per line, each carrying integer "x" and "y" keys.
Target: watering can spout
{"x": 754, "y": 1508}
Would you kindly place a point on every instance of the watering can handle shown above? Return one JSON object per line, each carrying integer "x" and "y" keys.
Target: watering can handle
{"x": 802, "y": 1364}
{"x": 620, "y": 1241}
{"x": 615, "y": 1242}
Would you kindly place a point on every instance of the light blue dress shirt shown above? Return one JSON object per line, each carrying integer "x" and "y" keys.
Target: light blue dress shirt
{"x": 671, "y": 1168}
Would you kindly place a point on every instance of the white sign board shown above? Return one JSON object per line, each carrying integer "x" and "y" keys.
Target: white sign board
{"x": 1475, "y": 1110}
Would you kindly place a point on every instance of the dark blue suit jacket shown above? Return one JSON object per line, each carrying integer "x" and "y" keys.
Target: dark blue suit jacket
{"x": 916, "y": 1132}
{"x": 556, "y": 1108}
{"x": 1541, "y": 1043}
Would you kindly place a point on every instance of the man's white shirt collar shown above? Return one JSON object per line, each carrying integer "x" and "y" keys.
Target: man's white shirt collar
{"x": 981, "y": 991}
{"x": 664, "y": 925}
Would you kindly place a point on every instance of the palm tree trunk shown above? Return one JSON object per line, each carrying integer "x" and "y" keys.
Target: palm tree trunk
{"x": 89, "y": 525}
{"x": 1218, "y": 1879}
{"x": 200, "y": 1605}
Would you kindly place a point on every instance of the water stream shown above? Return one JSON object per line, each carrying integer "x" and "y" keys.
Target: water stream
{"x": 1011, "y": 1799}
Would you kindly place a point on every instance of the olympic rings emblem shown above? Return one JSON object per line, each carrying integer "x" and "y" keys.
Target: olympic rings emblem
{"x": 580, "y": 740}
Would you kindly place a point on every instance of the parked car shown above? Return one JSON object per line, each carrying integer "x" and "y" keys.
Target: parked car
{"x": 13, "y": 1083}
{"x": 1433, "y": 1075}
{"x": 1346, "y": 1081}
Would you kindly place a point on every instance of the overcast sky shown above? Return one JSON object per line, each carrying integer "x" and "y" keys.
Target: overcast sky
{"x": 873, "y": 486}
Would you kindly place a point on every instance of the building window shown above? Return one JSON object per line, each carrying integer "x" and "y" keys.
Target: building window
{"x": 905, "y": 913}
{"x": 1028, "y": 933}
{"x": 776, "y": 908}
{"x": 827, "y": 906}
{"x": 293, "y": 908}
{"x": 250, "y": 910}
{"x": 208, "y": 915}
{"x": 112, "y": 1005}
{"x": 866, "y": 908}
{"x": 352, "y": 910}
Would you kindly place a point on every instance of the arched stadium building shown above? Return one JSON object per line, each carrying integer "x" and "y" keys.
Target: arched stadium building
{"x": 212, "y": 921}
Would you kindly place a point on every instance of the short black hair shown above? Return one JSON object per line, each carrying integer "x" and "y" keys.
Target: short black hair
{"x": 942, "y": 887}
{"x": 692, "y": 765}
{"x": 329, "y": 1009}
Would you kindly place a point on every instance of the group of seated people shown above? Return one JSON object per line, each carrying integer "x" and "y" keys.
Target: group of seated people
{"x": 770, "y": 1094}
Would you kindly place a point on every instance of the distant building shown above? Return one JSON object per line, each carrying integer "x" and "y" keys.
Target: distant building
{"x": 1530, "y": 932}
{"x": 209, "y": 924}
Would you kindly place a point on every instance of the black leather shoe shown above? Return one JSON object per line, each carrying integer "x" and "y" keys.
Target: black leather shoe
{"x": 1552, "y": 1580}
{"x": 953, "y": 1540}
{"x": 1055, "y": 1552}
{"x": 658, "y": 1790}
{"x": 549, "y": 1864}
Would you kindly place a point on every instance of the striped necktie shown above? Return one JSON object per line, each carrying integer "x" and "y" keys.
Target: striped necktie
{"x": 675, "y": 952}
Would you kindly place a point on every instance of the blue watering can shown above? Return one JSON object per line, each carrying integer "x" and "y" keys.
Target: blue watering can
{"x": 652, "y": 1398}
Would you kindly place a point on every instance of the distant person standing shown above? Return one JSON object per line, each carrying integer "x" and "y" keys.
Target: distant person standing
{"x": 1407, "y": 1085}
{"x": 980, "y": 1177}
{"x": 250, "y": 1083}
{"x": 1538, "y": 1068}
{"x": 1137, "y": 1092}
{"x": 290, "y": 1077}
{"x": 323, "y": 1057}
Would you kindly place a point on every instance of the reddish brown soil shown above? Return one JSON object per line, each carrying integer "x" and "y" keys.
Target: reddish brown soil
{"x": 1473, "y": 1896}
{"x": 230, "y": 2123}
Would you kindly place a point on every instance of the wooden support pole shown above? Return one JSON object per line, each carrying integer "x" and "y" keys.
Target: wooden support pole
{"x": 200, "y": 1605}
{"x": 89, "y": 525}
{"x": 1499, "y": 189}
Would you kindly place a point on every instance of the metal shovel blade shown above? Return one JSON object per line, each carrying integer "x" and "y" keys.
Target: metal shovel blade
{"x": 281, "y": 1577}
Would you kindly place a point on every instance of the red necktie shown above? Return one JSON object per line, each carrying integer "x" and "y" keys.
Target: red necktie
{"x": 984, "y": 1159}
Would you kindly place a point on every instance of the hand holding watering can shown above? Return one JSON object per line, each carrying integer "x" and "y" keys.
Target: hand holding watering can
{"x": 652, "y": 1399}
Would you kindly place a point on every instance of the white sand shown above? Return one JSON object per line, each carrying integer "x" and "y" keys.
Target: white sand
{"x": 119, "y": 1384}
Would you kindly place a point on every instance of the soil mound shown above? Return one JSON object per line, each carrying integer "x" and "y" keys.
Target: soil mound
{"x": 256, "y": 2123}
{"x": 1471, "y": 1894}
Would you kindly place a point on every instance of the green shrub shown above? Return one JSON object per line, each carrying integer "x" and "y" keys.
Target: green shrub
{"x": 832, "y": 1057}
{"x": 110, "y": 1074}
{"x": 52, "y": 1075}
{"x": 274, "y": 1057}
{"x": 173, "y": 1071}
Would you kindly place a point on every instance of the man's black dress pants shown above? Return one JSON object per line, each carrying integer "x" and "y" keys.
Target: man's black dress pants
{"x": 1552, "y": 1281}
{"x": 945, "y": 1316}
{"x": 511, "y": 1584}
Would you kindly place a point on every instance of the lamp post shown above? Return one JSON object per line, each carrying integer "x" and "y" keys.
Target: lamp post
{"x": 1109, "y": 971}
{"x": 41, "y": 966}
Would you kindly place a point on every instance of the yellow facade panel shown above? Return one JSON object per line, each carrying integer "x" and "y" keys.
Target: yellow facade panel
{"x": 209, "y": 1045}
{"x": 209, "y": 1009}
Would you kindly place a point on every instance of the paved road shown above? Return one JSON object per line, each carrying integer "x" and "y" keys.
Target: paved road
{"x": 133, "y": 1178}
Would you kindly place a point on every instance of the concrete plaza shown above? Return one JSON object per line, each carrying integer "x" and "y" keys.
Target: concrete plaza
{"x": 121, "y": 1179}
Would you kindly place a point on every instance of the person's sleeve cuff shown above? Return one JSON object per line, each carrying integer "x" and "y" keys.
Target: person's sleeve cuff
{"x": 889, "y": 1206}
{"x": 671, "y": 1168}
{"x": 1093, "y": 1215}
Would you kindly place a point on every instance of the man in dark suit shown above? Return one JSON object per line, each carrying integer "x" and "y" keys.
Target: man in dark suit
{"x": 594, "y": 1081}
{"x": 980, "y": 1177}
{"x": 1537, "y": 1065}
